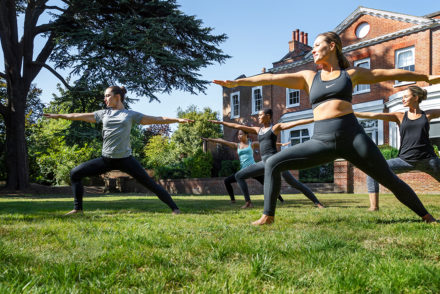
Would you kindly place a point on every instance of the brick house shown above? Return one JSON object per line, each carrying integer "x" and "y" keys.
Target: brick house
{"x": 371, "y": 38}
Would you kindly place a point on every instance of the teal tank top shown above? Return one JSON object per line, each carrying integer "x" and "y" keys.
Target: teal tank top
{"x": 246, "y": 155}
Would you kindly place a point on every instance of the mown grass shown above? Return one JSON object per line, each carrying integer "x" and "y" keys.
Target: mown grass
{"x": 132, "y": 244}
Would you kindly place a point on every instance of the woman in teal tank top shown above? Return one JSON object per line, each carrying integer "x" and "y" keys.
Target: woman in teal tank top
{"x": 245, "y": 151}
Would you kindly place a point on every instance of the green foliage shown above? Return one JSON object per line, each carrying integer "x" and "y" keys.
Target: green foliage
{"x": 388, "y": 151}
{"x": 436, "y": 150}
{"x": 188, "y": 136}
{"x": 229, "y": 167}
{"x": 199, "y": 165}
{"x": 318, "y": 174}
{"x": 148, "y": 46}
{"x": 51, "y": 158}
{"x": 160, "y": 151}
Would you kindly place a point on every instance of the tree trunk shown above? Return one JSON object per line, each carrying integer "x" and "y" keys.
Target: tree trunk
{"x": 16, "y": 150}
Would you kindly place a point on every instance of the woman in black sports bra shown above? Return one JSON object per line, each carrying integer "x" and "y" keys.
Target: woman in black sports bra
{"x": 416, "y": 151}
{"x": 337, "y": 133}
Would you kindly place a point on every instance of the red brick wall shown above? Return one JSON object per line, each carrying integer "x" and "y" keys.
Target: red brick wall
{"x": 421, "y": 183}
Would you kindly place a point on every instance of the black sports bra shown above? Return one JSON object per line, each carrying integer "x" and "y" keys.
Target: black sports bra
{"x": 340, "y": 88}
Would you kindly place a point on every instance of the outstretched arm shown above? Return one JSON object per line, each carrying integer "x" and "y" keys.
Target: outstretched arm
{"x": 432, "y": 113}
{"x": 221, "y": 141}
{"x": 285, "y": 126}
{"x": 87, "y": 117}
{"x": 298, "y": 80}
{"x": 149, "y": 120}
{"x": 252, "y": 130}
{"x": 392, "y": 116}
{"x": 361, "y": 75}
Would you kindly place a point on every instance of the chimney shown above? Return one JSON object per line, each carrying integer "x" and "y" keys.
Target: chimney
{"x": 263, "y": 70}
{"x": 297, "y": 35}
{"x": 306, "y": 39}
{"x": 302, "y": 37}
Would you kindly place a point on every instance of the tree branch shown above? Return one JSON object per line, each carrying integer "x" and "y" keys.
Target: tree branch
{"x": 3, "y": 75}
{"x": 54, "y": 73}
{"x": 55, "y": 7}
{"x": 43, "y": 28}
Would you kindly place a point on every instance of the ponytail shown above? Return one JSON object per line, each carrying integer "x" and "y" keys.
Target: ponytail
{"x": 333, "y": 37}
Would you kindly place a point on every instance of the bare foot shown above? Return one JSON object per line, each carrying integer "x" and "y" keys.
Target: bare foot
{"x": 247, "y": 205}
{"x": 429, "y": 219}
{"x": 264, "y": 220}
{"x": 75, "y": 211}
{"x": 175, "y": 211}
{"x": 372, "y": 208}
{"x": 320, "y": 206}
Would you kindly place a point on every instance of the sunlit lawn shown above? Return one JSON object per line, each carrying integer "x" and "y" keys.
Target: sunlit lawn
{"x": 132, "y": 244}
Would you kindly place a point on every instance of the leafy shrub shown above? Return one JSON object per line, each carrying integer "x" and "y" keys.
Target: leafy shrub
{"x": 318, "y": 174}
{"x": 229, "y": 167}
{"x": 388, "y": 151}
{"x": 199, "y": 165}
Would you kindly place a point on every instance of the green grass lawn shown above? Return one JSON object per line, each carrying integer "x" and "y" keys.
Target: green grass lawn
{"x": 132, "y": 244}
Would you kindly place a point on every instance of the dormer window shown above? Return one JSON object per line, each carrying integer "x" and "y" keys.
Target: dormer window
{"x": 362, "y": 30}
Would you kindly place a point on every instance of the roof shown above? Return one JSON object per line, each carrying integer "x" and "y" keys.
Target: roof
{"x": 421, "y": 23}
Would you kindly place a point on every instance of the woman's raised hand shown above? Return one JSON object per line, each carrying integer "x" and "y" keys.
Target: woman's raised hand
{"x": 51, "y": 115}
{"x": 185, "y": 120}
{"x": 217, "y": 122}
{"x": 227, "y": 83}
{"x": 434, "y": 79}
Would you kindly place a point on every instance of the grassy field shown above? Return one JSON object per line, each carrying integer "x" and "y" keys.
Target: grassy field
{"x": 132, "y": 244}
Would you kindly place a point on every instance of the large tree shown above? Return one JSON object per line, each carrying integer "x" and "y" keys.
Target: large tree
{"x": 148, "y": 46}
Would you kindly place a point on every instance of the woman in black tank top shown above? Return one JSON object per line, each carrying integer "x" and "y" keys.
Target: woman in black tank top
{"x": 416, "y": 151}
{"x": 267, "y": 138}
{"x": 337, "y": 133}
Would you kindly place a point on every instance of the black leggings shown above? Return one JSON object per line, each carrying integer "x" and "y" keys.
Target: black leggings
{"x": 231, "y": 179}
{"x": 128, "y": 165}
{"x": 340, "y": 137}
{"x": 257, "y": 170}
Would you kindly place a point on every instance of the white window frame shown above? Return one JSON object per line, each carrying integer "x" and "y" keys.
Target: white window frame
{"x": 300, "y": 129}
{"x": 396, "y": 58}
{"x": 254, "y": 110}
{"x": 365, "y": 86}
{"x": 232, "y": 104}
{"x": 288, "y": 91}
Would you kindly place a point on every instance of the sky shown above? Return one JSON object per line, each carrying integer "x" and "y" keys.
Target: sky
{"x": 258, "y": 34}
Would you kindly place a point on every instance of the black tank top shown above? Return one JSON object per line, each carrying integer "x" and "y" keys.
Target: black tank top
{"x": 268, "y": 143}
{"x": 414, "y": 138}
{"x": 340, "y": 88}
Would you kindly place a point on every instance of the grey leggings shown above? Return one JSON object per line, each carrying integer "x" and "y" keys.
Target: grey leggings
{"x": 257, "y": 169}
{"x": 340, "y": 137}
{"x": 430, "y": 166}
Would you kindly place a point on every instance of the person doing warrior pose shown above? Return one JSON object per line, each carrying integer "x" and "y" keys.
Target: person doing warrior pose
{"x": 116, "y": 150}
{"x": 416, "y": 151}
{"x": 245, "y": 150}
{"x": 337, "y": 133}
{"x": 267, "y": 137}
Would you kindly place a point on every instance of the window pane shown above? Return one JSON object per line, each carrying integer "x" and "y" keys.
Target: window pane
{"x": 305, "y": 132}
{"x": 405, "y": 58}
{"x": 295, "y": 134}
{"x": 294, "y": 142}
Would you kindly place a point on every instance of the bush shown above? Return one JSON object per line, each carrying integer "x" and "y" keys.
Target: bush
{"x": 199, "y": 165}
{"x": 229, "y": 167}
{"x": 318, "y": 174}
{"x": 388, "y": 151}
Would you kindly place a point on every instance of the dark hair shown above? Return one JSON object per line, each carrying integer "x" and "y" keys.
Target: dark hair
{"x": 116, "y": 90}
{"x": 268, "y": 111}
{"x": 422, "y": 94}
{"x": 333, "y": 37}
{"x": 244, "y": 132}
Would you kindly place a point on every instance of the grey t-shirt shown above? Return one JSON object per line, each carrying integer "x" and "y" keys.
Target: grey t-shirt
{"x": 116, "y": 131}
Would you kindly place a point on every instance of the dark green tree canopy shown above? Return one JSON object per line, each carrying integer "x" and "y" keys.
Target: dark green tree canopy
{"x": 149, "y": 46}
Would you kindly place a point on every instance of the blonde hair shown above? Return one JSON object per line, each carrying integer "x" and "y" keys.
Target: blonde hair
{"x": 422, "y": 94}
{"x": 333, "y": 37}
